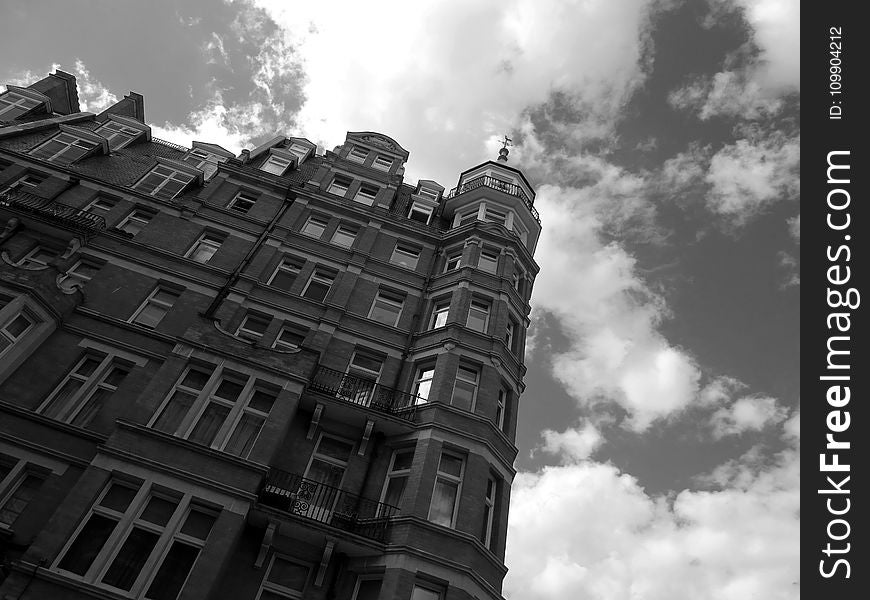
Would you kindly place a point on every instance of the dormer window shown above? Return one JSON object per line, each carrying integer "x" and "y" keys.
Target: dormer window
{"x": 164, "y": 181}
{"x": 65, "y": 148}
{"x": 17, "y": 102}
{"x": 366, "y": 194}
{"x": 382, "y": 163}
{"x": 301, "y": 151}
{"x": 421, "y": 211}
{"x": 358, "y": 154}
{"x": 277, "y": 165}
{"x": 120, "y": 132}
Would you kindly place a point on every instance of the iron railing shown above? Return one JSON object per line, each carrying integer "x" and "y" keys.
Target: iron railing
{"x": 365, "y": 392}
{"x": 511, "y": 189}
{"x": 326, "y": 504}
{"x": 173, "y": 145}
{"x": 58, "y": 213}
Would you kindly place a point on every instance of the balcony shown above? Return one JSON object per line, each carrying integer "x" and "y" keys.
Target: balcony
{"x": 510, "y": 189}
{"x": 325, "y": 504}
{"x": 365, "y": 392}
{"x": 53, "y": 212}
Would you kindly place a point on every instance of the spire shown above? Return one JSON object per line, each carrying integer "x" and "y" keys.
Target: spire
{"x": 503, "y": 152}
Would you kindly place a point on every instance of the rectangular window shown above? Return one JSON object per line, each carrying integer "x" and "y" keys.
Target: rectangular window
{"x": 315, "y": 226}
{"x": 425, "y": 593}
{"x": 284, "y": 579}
{"x": 118, "y": 134}
{"x": 366, "y": 194}
{"x": 405, "y": 255}
{"x": 488, "y": 261}
{"x": 100, "y": 205}
{"x": 358, "y": 154}
{"x": 420, "y": 211}
{"x": 367, "y": 589}
{"x": 205, "y": 247}
{"x": 445, "y": 496}
{"x": 300, "y": 151}
{"x": 216, "y": 408}
{"x": 397, "y": 477}
{"x": 387, "y": 308}
{"x": 439, "y": 314}
{"x": 135, "y": 221}
{"x": 164, "y": 182}
{"x": 488, "y": 513}
{"x": 495, "y": 216}
{"x": 344, "y": 236}
{"x": 124, "y": 541}
{"x": 276, "y": 165}
{"x": 469, "y": 217}
{"x": 253, "y": 326}
{"x": 154, "y": 308}
{"x": 500, "y": 407}
{"x": 36, "y": 258}
{"x": 289, "y": 339}
{"x": 478, "y": 315}
{"x": 286, "y": 273}
{"x": 454, "y": 261}
{"x": 382, "y": 163}
{"x": 318, "y": 285}
{"x": 25, "y": 183}
{"x": 204, "y": 161}
{"x": 465, "y": 388}
{"x": 64, "y": 148}
{"x": 242, "y": 202}
{"x": 509, "y": 331}
{"x": 13, "y": 105}
{"x": 18, "y": 486}
{"x": 86, "y": 389}
{"x": 14, "y": 329}
{"x": 515, "y": 281}
{"x": 339, "y": 186}
{"x": 423, "y": 384}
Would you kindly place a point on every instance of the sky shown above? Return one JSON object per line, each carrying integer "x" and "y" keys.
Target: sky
{"x": 659, "y": 433}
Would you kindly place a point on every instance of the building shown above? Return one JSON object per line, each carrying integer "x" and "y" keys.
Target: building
{"x": 287, "y": 374}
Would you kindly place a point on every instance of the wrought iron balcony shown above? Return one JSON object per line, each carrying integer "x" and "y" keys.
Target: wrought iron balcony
{"x": 57, "y": 213}
{"x": 491, "y": 182}
{"x": 326, "y": 504}
{"x": 365, "y": 392}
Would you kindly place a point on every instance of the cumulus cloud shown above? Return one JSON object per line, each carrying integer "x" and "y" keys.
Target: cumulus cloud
{"x": 572, "y": 444}
{"x": 737, "y": 539}
{"x": 93, "y": 95}
{"x": 747, "y": 414}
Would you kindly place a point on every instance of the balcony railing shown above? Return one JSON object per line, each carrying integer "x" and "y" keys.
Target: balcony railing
{"x": 55, "y": 212}
{"x": 365, "y": 392}
{"x": 491, "y": 182}
{"x": 326, "y": 504}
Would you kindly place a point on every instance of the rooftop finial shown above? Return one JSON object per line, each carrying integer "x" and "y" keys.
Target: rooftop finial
{"x": 503, "y": 152}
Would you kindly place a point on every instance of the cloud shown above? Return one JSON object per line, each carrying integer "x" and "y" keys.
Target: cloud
{"x": 794, "y": 227}
{"x": 747, "y": 414}
{"x": 572, "y": 444}
{"x": 93, "y": 95}
{"x": 735, "y": 540}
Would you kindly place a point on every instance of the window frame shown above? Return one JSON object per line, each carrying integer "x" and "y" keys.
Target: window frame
{"x": 23, "y": 96}
{"x": 380, "y": 160}
{"x": 121, "y": 130}
{"x": 348, "y": 231}
{"x": 208, "y": 243}
{"x": 502, "y": 398}
{"x": 11, "y": 338}
{"x": 242, "y": 198}
{"x": 279, "y": 344}
{"x": 315, "y": 221}
{"x": 404, "y": 249}
{"x": 450, "y": 258}
{"x": 78, "y": 147}
{"x": 391, "y": 299}
{"x": 440, "y": 309}
{"x": 423, "y": 208}
{"x": 13, "y": 483}
{"x": 474, "y": 385}
{"x": 424, "y": 375}
{"x": 31, "y": 261}
{"x": 253, "y": 334}
{"x": 152, "y": 299}
{"x": 319, "y": 276}
{"x": 364, "y": 196}
{"x": 137, "y": 217}
{"x": 93, "y": 208}
{"x": 358, "y": 154}
{"x": 290, "y": 266}
{"x": 450, "y": 479}
{"x": 278, "y": 164}
{"x": 489, "y": 498}
{"x": 481, "y": 306}
{"x": 170, "y": 173}
{"x": 26, "y": 183}
{"x": 492, "y": 260}
{"x": 394, "y": 473}
{"x": 339, "y": 185}
{"x": 276, "y": 589}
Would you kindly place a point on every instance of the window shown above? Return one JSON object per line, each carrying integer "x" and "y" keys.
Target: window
{"x": 423, "y": 384}
{"x": 253, "y": 326}
{"x": 446, "y": 493}
{"x": 289, "y": 339}
{"x": 469, "y": 217}
{"x": 100, "y": 205}
{"x": 206, "y": 246}
{"x": 421, "y": 211}
{"x": 387, "y": 308}
{"x": 18, "y": 486}
{"x": 135, "y": 222}
{"x": 286, "y": 273}
{"x": 318, "y": 285}
{"x": 383, "y": 163}
{"x": 405, "y": 255}
{"x": 515, "y": 281}
{"x": 154, "y": 308}
{"x": 509, "y": 331}
{"x": 118, "y": 134}
{"x": 78, "y": 275}
{"x": 85, "y": 389}
{"x": 397, "y": 476}
{"x": 358, "y": 154}
{"x": 64, "y": 148}
{"x": 218, "y": 408}
{"x": 315, "y": 226}
{"x": 366, "y": 194}
{"x": 367, "y": 589}
{"x": 135, "y": 531}
{"x": 500, "y": 407}
{"x": 242, "y": 203}
{"x": 37, "y": 258}
{"x": 478, "y": 315}
{"x": 439, "y": 314}
{"x": 205, "y": 161}
{"x": 14, "y": 329}
{"x": 465, "y": 388}
{"x": 25, "y": 183}
{"x": 454, "y": 261}
{"x": 493, "y": 215}
{"x": 284, "y": 579}
{"x": 488, "y": 261}
{"x": 344, "y": 236}
{"x": 14, "y": 105}
{"x": 424, "y": 593}
{"x": 301, "y": 151}
{"x": 276, "y": 164}
{"x": 164, "y": 182}
{"x": 364, "y": 370}
{"x": 488, "y": 513}
{"x": 339, "y": 186}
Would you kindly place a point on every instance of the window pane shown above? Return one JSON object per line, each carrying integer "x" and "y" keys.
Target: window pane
{"x": 424, "y": 594}
{"x": 84, "y": 417}
{"x": 173, "y": 572}
{"x": 283, "y": 279}
{"x": 229, "y": 390}
{"x": 450, "y": 465}
{"x": 19, "y": 499}
{"x": 245, "y": 435}
{"x": 174, "y": 412}
{"x": 209, "y": 424}
{"x": 198, "y": 524}
{"x": 159, "y": 510}
{"x": 443, "y": 498}
{"x": 262, "y": 401}
{"x": 316, "y": 291}
{"x": 463, "y": 395}
{"x": 88, "y": 544}
{"x": 403, "y": 460}
{"x": 368, "y": 589}
{"x": 395, "y": 489}
{"x": 70, "y": 387}
{"x": 151, "y": 315}
{"x": 195, "y": 379}
{"x": 130, "y": 559}
{"x": 18, "y": 325}
{"x": 88, "y": 366}
{"x": 334, "y": 448}
{"x": 118, "y": 497}
{"x": 288, "y": 575}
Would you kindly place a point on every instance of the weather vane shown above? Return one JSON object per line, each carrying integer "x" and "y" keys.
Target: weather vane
{"x": 503, "y": 153}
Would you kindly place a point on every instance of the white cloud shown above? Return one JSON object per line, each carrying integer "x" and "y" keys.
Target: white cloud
{"x": 572, "y": 444}
{"x": 747, "y": 414}
{"x": 735, "y": 541}
{"x": 794, "y": 227}
{"x": 93, "y": 95}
